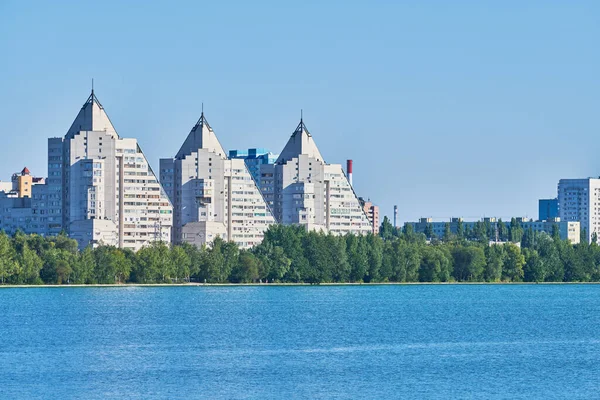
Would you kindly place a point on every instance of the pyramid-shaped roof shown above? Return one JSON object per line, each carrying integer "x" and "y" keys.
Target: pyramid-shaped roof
{"x": 301, "y": 142}
{"x": 201, "y": 137}
{"x": 91, "y": 117}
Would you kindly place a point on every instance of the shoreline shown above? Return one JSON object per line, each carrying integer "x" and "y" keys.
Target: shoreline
{"x": 194, "y": 284}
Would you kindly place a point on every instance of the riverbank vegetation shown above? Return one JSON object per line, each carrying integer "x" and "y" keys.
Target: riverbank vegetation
{"x": 290, "y": 254}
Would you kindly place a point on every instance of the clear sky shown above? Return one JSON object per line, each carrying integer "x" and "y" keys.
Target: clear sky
{"x": 462, "y": 108}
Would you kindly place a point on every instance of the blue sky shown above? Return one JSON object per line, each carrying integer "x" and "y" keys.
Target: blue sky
{"x": 463, "y": 108}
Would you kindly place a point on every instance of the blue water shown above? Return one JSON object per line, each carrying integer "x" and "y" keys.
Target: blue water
{"x": 447, "y": 341}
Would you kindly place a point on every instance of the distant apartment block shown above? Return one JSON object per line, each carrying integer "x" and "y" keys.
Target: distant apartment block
{"x": 566, "y": 229}
{"x": 579, "y": 200}
{"x": 254, "y": 158}
{"x": 372, "y": 212}
{"x": 23, "y": 204}
{"x": 213, "y": 195}
{"x": 548, "y": 209}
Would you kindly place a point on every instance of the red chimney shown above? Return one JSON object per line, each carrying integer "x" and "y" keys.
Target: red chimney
{"x": 349, "y": 171}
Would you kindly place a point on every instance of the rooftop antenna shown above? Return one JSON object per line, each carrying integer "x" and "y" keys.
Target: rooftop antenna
{"x": 92, "y": 86}
{"x": 300, "y": 115}
{"x": 202, "y": 108}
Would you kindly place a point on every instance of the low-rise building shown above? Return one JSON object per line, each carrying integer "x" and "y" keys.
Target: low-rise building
{"x": 23, "y": 204}
{"x": 567, "y": 229}
{"x": 548, "y": 209}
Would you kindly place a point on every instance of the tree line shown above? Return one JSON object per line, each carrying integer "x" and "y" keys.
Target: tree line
{"x": 291, "y": 254}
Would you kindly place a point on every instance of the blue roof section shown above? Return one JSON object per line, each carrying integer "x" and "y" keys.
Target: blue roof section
{"x": 251, "y": 153}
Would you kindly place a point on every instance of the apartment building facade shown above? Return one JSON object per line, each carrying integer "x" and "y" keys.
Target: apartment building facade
{"x": 301, "y": 188}
{"x": 212, "y": 194}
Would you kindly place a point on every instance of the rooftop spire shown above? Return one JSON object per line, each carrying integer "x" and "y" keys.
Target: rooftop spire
{"x": 301, "y": 142}
{"x": 91, "y": 117}
{"x": 201, "y": 137}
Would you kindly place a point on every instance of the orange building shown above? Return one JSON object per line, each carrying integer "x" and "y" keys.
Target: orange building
{"x": 22, "y": 183}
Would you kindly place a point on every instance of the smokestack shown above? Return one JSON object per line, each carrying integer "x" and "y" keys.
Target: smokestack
{"x": 349, "y": 171}
{"x": 395, "y": 216}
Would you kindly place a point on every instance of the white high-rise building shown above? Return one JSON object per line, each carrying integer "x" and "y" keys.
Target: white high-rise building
{"x": 101, "y": 188}
{"x": 211, "y": 194}
{"x": 301, "y": 188}
{"x": 579, "y": 200}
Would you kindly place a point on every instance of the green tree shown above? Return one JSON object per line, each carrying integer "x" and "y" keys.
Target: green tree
{"x": 435, "y": 265}
{"x": 231, "y": 254}
{"x": 374, "y": 256}
{"x": 429, "y": 231}
{"x": 106, "y": 268}
{"x": 578, "y": 261}
{"x": 533, "y": 270}
{"x": 318, "y": 266}
{"x": 290, "y": 239}
{"x": 494, "y": 263}
{"x": 515, "y": 231}
{"x": 412, "y": 262}
{"x": 555, "y": 232}
{"x": 147, "y": 269}
{"x": 469, "y": 263}
{"x": 583, "y": 236}
{"x": 447, "y": 233}
{"x": 513, "y": 263}
{"x": 63, "y": 271}
{"x": 30, "y": 265}
{"x": 460, "y": 229}
{"x": 340, "y": 270}
{"x": 181, "y": 262}
{"x": 246, "y": 269}
{"x": 63, "y": 242}
{"x": 85, "y": 266}
{"x": 553, "y": 268}
{"x": 198, "y": 259}
{"x": 57, "y": 265}
{"x": 387, "y": 264}
{"x": 8, "y": 261}
{"x": 386, "y": 231}
{"x": 480, "y": 232}
{"x": 357, "y": 257}
{"x": 122, "y": 266}
{"x": 502, "y": 230}
{"x": 273, "y": 260}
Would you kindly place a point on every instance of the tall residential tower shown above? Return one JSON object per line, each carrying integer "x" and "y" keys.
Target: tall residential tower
{"x": 579, "y": 200}
{"x": 212, "y": 195}
{"x": 101, "y": 188}
{"x": 301, "y": 188}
